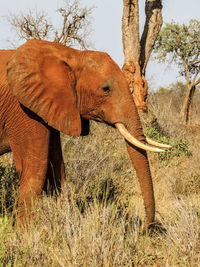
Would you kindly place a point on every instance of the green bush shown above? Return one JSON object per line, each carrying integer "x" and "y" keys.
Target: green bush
{"x": 180, "y": 146}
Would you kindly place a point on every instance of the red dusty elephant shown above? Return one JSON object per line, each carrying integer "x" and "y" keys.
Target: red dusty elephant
{"x": 46, "y": 88}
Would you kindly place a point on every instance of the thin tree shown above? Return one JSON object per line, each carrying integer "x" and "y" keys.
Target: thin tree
{"x": 74, "y": 29}
{"x": 138, "y": 50}
{"x": 181, "y": 44}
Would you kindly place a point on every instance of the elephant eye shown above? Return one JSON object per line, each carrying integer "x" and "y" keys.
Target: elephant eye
{"x": 106, "y": 88}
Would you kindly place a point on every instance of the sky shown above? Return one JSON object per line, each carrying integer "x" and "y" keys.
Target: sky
{"x": 106, "y": 32}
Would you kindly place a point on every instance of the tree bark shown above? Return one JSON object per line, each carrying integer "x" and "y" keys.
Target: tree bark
{"x": 186, "y": 111}
{"x": 189, "y": 115}
{"x": 136, "y": 53}
{"x": 188, "y": 102}
{"x": 131, "y": 47}
{"x": 130, "y": 30}
{"x": 153, "y": 23}
{"x": 187, "y": 105}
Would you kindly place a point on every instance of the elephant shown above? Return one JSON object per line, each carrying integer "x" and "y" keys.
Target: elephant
{"x": 47, "y": 88}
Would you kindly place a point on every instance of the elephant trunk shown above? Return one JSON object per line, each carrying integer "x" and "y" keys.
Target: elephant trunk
{"x": 140, "y": 162}
{"x": 141, "y": 165}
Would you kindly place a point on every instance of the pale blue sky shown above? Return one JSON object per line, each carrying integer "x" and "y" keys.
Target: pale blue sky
{"x": 106, "y": 20}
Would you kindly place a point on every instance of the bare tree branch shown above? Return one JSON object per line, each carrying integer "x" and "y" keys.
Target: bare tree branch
{"x": 75, "y": 27}
{"x": 194, "y": 82}
{"x": 32, "y": 25}
{"x": 197, "y": 82}
{"x": 74, "y": 30}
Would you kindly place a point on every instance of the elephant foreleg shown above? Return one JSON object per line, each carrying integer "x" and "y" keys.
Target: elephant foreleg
{"x": 32, "y": 178}
{"x": 30, "y": 147}
{"x": 55, "y": 178}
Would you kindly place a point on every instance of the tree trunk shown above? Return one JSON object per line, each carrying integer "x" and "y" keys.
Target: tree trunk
{"x": 131, "y": 47}
{"x": 136, "y": 53}
{"x": 187, "y": 105}
{"x": 186, "y": 112}
{"x": 191, "y": 104}
{"x": 152, "y": 27}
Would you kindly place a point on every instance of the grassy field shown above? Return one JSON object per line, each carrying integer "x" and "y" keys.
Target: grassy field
{"x": 97, "y": 221}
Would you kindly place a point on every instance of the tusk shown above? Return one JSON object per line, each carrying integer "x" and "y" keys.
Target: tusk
{"x": 124, "y": 132}
{"x": 154, "y": 143}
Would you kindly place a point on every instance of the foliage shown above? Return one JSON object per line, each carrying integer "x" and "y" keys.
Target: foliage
{"x": 180, "y": 146}
{"x": 180, "y": 44}
{"x": 178, "y": 88}
{"x": 74, "y": 30}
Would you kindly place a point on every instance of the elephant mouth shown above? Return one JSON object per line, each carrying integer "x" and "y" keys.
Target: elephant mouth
{"x": 124, "y": 132}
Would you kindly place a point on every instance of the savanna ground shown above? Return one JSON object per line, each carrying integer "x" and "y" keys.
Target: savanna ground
{"x": 97, "y": 221}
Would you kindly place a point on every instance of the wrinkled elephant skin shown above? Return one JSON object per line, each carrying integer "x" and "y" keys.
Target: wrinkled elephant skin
{"x": 47, "y": 88}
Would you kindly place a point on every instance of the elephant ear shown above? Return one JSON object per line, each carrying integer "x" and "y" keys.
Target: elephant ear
{"x": 45, "y": 84}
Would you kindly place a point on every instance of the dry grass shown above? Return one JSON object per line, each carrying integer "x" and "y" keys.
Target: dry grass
{"x": 97, "y": 220}
{"x": 102, "y": 236}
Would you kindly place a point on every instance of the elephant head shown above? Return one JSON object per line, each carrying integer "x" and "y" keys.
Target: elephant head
{"x": 67, "y": 87}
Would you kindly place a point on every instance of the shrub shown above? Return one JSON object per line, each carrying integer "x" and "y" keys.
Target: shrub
{"x": 180, "y": 146}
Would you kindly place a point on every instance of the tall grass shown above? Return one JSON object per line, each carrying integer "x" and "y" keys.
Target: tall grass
{"x": 61, "y": 235}
{"x": 97, "y": 220}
